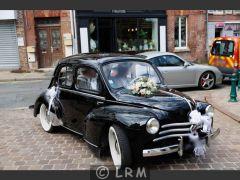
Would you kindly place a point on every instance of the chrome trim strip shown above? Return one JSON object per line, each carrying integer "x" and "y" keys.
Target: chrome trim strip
{"x": 81, "y": 135}
{"x": 90, "y": 143}
{"x": 175, "y": 124}
{"x": 170, "y": 136}
{"x": 72, "y": 130}
{"x": 160, "y": 151}
{"x": 83, "y": 93}
{"x": 174, "y": 130}
{"x": 184, "y": 98}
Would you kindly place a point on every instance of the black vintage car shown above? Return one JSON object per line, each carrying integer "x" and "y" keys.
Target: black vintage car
{"x": 120, "y": 102}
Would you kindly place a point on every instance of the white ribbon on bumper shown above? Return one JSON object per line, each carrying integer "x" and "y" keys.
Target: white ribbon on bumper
{"x": 196, "y": 118}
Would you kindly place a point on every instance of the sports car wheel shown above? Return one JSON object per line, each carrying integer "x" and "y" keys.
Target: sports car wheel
{"x": 119, "y": 147}
{"x": 207, "y": 80}
{"x": 45, "y": 119}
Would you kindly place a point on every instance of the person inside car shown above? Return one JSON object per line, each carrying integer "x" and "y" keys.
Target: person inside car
{"x": 118, "y": 76}
{"x": 87, "y": 79}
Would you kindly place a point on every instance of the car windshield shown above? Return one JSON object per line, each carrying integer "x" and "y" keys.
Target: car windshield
{"x": 121, "y": 75}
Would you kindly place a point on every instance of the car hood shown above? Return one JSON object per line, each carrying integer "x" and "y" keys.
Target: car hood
{"x": 164, "y": 99}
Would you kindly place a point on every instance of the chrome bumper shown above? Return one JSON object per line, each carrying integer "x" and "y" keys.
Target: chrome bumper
{"x": 165, "y": 150}
{"x": 174, "y": 148}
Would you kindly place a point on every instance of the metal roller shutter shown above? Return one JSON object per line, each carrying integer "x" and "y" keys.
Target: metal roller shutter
{"x": 9, "y": 57}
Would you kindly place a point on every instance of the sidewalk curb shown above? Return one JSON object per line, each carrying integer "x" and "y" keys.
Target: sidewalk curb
{"x": 25, "y": 79}
{"x": 219, "y": 108}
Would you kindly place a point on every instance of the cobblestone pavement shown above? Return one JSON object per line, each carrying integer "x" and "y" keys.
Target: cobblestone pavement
{"x": 25, "y": 146}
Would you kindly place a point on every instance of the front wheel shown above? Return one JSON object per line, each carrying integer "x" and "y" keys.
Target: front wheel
{"x": 207, "y": 81}
{"x": 119, "y": 147}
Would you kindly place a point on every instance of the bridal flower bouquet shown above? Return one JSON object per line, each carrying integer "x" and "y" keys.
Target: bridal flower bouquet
{"x": 143, "y": 86}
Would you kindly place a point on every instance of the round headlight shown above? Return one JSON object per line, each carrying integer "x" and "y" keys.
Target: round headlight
{"x": 209, "y": 111}
{"x": 152, "y": 126}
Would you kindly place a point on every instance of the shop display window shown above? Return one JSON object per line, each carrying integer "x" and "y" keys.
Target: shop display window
{"x": 137, "y": 34}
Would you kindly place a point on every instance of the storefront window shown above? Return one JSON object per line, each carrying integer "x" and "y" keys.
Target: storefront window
{"x": 93, "y": 41}
{"x": 127, "y": 38}
{"x": 137, "y": 34}
{"x": 181, "y": 32}
{"x": 148, "y": 34}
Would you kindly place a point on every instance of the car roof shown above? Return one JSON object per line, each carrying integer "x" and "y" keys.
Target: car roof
{"x": 98, "y": 58}
{"x": 152, "y": 54}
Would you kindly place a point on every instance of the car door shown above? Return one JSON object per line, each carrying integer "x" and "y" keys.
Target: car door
{"x": 66, "y": 97}
{"x": 86, "y": 90}
{"x": 175, "y": 71}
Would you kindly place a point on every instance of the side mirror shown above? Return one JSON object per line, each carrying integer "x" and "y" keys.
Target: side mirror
{"x": 186, "y": 64}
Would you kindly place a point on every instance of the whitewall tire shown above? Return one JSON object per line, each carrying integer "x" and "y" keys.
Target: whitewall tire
{"x": 119, "y": 147}
{"x": 45, "y": 119}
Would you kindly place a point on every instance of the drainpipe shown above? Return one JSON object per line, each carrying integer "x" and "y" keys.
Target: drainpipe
{"x": 25, "y": 25}
{"x": 207, "y": 45}
{"x": 71, "y": 18}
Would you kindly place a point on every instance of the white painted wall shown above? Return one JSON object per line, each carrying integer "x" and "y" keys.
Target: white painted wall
{"x": 162, "y": 35}
{"x": 84, "y": 40}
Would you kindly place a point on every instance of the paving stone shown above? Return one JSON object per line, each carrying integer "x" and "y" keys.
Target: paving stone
{"x": 30, "y": 148}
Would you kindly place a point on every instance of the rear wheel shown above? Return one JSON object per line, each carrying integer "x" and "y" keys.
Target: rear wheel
{"x": 45, "y": 119}
{"x": 119, "y": 147}
{"x": 207, "y": 81}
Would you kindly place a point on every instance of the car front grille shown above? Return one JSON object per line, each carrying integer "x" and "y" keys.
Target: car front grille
{"x": 173, "y": 130}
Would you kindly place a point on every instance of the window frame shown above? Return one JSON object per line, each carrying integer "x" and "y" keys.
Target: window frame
{"x": 58, "y": 73}
{"x": 88, "y": 90}
{"x": 223, "y": 54}
{"x": 115, "y": 33}
{"x": 179, "y": 19}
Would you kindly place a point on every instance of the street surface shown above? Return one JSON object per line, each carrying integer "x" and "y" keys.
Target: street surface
{"x": 18, "y": 94}
{"x": 24, "y": 145}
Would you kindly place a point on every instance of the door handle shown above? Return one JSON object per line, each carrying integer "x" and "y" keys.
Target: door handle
{"x": 99, "y": 102}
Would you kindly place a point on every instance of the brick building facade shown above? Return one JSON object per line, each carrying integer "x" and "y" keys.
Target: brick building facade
{"x": 20, "y": 31}
{"x": 195, "y": 27}
{"x": 49, "y": 34}
{"x": 48, "y": 37}
{"x": 223, "y": 23}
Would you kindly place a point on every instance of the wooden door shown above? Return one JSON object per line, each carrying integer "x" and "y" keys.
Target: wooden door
{"x": 49, "y": 45}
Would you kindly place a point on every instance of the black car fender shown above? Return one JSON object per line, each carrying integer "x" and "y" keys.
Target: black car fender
{"x": 43, "y": 99}
{"x": 98, "y": 121}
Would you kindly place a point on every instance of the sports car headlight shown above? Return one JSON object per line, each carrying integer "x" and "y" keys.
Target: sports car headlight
{"x": 209, "y": 111}
{"x": 152, "y": 126}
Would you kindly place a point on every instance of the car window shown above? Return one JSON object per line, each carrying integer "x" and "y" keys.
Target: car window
{"x": 223, "y": 48}
{"x": 87, "y": 79}
{"x": 121, "y": 74}
{"x": 65, "y": 76}
{"x": 167, "y": 60}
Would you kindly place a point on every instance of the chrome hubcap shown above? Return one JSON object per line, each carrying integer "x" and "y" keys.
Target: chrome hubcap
{"x": 207, "y": 81}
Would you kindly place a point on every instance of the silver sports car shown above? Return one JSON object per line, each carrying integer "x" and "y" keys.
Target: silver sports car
{"x": 179, "y": 73}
